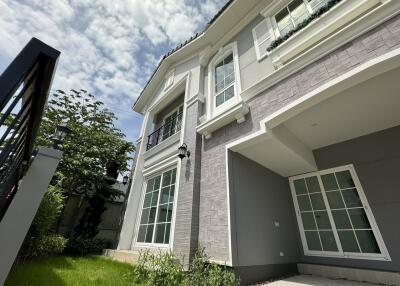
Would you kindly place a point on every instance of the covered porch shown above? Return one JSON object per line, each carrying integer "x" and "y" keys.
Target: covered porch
{"x": 319, "y": 180}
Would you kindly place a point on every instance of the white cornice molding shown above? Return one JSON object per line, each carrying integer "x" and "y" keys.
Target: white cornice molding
{"x": 365, "y": 23}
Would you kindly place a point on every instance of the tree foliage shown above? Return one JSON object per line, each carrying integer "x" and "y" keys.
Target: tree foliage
{"x": 94, "y": 145}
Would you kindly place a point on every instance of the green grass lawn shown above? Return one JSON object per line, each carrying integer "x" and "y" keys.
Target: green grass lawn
{"x": 71, "y": 271}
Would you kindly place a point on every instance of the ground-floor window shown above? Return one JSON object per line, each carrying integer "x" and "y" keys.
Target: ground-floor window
{"x": 158, "y": 203}
{"x": 334, "y": 216}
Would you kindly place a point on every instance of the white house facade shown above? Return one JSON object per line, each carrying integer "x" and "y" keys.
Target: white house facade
{"x": 290, "y": 111}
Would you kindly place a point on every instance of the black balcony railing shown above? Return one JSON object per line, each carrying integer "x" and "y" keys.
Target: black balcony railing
{"x": 24, "y": 87}
{"x": 165, "y": 131}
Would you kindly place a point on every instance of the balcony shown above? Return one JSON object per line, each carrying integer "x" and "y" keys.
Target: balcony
{"x": 171, "y": 126}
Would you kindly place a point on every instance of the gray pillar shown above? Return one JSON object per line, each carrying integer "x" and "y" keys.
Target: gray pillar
{"x": 187, "y": 209}
{"x": 19, "y": 215}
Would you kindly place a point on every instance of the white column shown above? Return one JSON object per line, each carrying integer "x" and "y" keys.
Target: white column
{"x": 19, "y": 215}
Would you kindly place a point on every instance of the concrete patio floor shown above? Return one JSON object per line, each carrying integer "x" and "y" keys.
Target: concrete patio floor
{"x": 311, "y": 280}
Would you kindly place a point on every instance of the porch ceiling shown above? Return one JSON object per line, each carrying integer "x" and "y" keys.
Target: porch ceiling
{"x": 287, "y": 147}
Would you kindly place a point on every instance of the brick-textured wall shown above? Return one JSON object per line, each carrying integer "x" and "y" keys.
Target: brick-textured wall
{"x": 213, "y": 221}
{"x": 187, "y": 209}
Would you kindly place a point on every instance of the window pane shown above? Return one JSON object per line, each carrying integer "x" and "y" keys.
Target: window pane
{"x": 312, "y": 184}
{"x": 219, "y": 86}
{"x": 317, "y": 201}
{"x": 166, "y": 178}
{"x": 304, "y": 203}
{"x": 145, "y": 216}
{"x": 229, "y": 79}
{"x": 316, "y": 4}
{"x": 169, "y": 215}
{"x": 162, "y": 213}
{"x": 147, "y": 200}
{"x": 167, "y": 233}
{"x": 219, "y": 73}
{"x": 154, "y": 200}
{"x": 228, "y": 68}
{"x": 284, "y": 13}
{"x": 149, "y": 234}
{"x": 329, "y": 182}
{"x": 345, "y": 180}
{"x": 351, "y": 198}
{"x": 341, "y": 219}
{"x": 308, "y": 221}
{"x": 300, "y": 186}
{"x": 142, "y": 233}
{"x": 152, "y": 215}
{"x": 219, "y": 99}
{"x": 173, "y": 176}
{"x": 157, "y": 183}
{"x": 229, "y": 93}
{"x": 322, "y": 220}
{"x": 359, "y": 218}
{"x": 149, "y": 186}
{"x": 171, "y": 194}
{"x": 313, "y": 242}
{"x": 164, "y": 195}
{"x": 328, "y": 241}
{"x": 298, "y": 11}
{"x": 335, "y": 200}
{"x": 348, "y": 241}
{"x": 160, "y": 231}
{"x": 367, "y": 241}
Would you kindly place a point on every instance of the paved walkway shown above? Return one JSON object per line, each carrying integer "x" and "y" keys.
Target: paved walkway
{"x": 311, "y": 280}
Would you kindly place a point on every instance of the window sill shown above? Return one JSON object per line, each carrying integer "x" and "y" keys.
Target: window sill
{"x": 340, "y": 15}
{"x": 236, "y": 112}
{"x": 173, "y": 139}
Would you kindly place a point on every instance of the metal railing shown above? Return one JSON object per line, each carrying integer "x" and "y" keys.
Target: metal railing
{"x": 24, "y": 87}
{"x": 165, "y": 131}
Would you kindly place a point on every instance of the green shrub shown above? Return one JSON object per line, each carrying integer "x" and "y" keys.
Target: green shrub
{"x": 84, "y": 246}
{"x": 164, "y": 269}
{"x": 44, "y": 246}
{"x": 49, "y": 210}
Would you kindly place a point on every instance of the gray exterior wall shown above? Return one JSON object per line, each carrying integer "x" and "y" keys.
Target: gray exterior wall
{"x": 260, "y": 198}
{"x": 376, "y": 159}
{"x": 213, "y": 233}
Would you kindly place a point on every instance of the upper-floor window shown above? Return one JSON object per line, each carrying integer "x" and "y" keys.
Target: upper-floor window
{"x": 291, "y": 15}
{"x": 224, "y": 80}
{"x": 169, "y": 80}
{"x": 172, "y": 123}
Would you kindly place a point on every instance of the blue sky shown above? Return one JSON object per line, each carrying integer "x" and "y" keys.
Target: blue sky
{"x": 109, "y": 47}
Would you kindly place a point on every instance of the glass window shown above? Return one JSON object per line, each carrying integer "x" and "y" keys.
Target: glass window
{"x": 316, "y": 4}
{"x": 156, "y": 218}
{"x": 290, "y": 16}
{"x": 333, "y": 199}
{"x": 172, "y": 123}
{"x": 224, "y": 80}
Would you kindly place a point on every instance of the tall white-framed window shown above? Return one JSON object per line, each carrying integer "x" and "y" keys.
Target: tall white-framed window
{"x": 224, "y": 79}
{"x": 157, "y": 209}
{"x": 172, "y": 122}
{"x": 263, "y": 36}
{"x": 334, "y": 216}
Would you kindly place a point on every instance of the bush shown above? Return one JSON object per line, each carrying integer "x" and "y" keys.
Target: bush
{"x": 49, "y": 210}
{"x": 164, "y": 269}
{"x": 84, "y": 246}
{"x": 46, "y": 245}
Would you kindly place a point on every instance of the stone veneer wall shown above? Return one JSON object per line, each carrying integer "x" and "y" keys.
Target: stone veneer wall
{"x": 213, "y": 220}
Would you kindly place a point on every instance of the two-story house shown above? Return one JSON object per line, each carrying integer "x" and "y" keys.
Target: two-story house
{"x": 291, "y": 113}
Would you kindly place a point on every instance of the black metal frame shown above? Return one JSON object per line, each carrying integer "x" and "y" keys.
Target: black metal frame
{"x": 26, "y": 80}
{"x": 158, "y": 135}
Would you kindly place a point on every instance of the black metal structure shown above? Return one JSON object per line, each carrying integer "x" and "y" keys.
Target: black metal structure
{"x": 24, "y": 88}
{"x": 165, "y": 131}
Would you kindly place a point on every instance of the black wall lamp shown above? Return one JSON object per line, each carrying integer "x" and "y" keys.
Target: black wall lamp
{"x": 183, "y": 151}
{"x": 62, "y": 131}
{"x": 125, "y": 179}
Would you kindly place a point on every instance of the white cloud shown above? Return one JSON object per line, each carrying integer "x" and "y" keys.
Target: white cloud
{"x": 107, "y": 47}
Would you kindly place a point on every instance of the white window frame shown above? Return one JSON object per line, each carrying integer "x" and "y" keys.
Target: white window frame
{"x": 212, "y": 109}
{"x": 169, "y": 79}
{"x": 262, "y": 54}
{"x": 169, "y": 114}
{"x": 384, "y": 255}
{"x": 172, "y": 226}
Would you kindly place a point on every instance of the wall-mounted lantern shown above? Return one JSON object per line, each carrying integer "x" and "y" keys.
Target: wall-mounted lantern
{"x": 125, "y": 179}
{"x": 183, "y": 151}
{"x": 62, "y": 130}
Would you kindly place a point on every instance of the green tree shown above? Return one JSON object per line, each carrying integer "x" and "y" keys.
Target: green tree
{"x": 94, "y": 148}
